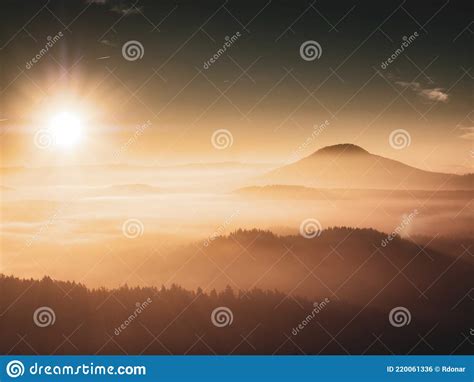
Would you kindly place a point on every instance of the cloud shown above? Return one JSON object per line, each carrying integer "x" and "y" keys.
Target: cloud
{"x": 436, "y": 94}
{"x": 123, "y": 7}
{"x": 108, "y": 42}
{"x": 468, "y": 134}
{"x": 126, "y": 10}
{"x": 412, "y": 85}
{"x": 430, "y": 94}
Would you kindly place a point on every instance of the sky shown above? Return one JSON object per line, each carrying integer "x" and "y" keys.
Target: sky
{"x": 162, "y": 103}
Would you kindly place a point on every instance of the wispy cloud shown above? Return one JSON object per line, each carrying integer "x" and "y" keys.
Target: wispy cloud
{"x": 108, "y": 42}
{"x": 436, "y": 94}
{"x": 126, "y": 10}
{"x": 468, "y": 133}
{"x": 430, "y": 94}
{"x": 123, "y": 7}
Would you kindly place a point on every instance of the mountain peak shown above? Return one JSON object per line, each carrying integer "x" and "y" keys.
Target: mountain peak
{"x": 347, "y": 148}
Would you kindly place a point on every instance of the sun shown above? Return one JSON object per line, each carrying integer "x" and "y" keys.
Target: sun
{"x": 66, "y": 129}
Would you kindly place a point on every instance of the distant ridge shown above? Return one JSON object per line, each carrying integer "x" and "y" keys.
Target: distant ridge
{"x": 348, "y": 166}
{"x": 348, "y": 148}
{"x": 125, "y": 190}
{"x": 291, "y": 192}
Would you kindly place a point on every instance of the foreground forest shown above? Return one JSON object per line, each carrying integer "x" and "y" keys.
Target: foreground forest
{"x": 75, "y": 320}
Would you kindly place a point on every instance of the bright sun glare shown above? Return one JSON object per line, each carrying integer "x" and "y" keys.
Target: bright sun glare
{"x": 66, "y": 129}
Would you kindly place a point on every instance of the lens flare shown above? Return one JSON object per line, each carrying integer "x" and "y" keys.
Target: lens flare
{"x": 66, "y": 129}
